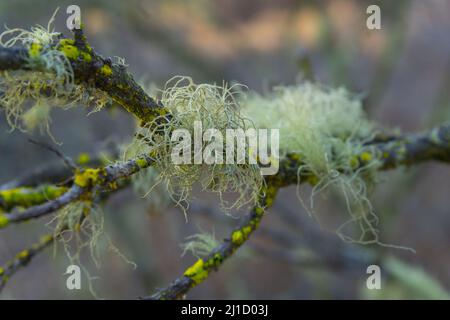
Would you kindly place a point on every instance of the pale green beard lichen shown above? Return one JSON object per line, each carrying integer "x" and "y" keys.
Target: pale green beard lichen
{"x": 52, "y": 86}
{"x": 37, "y": 116}
{"x": 216, "y": 108}
{"x": 149, "y": 181}
{"x": 39, "y": 34}
{"x": 312, "y": 120}
{"x": 200, "y": 245}
{"x": 79, "y": 223}
{"x": 327, "y": 129}
{"x": 79, "y": 226}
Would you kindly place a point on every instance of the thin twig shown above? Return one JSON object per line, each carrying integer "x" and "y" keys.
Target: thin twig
{"x": 67, "y": 160}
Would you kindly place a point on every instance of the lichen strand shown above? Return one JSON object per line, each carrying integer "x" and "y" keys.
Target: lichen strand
{"x": 200, "y": 245}
{"x": 27, "y": 197}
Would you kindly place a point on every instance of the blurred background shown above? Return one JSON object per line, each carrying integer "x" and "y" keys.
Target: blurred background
{"x": 402, "y": 73}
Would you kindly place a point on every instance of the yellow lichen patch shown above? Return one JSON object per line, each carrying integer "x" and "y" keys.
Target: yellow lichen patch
{"x": 67, "y": 46}
{"x": 86, "y": 56}
{"x": 366, "y": 156}
{"x": 46, "y": 238}
{"x": 70, "y": 52}
{"x": 87, "y": 178}
{"x": 2, "y": 271}
{"x": 27, "y": 197}
{"x": 35, "y": 50}
{"x": 259, "y": 210}
{"x": 24, "y": 254}
{"x": 197, "y": 273}
{"x": 354, "y": 162}
{"x": 247, "y": 230}
{"x": 4, "y": 221}
{"x": 83, "y": 158}
{"x": 113, "y": 185}
{"x": 142, "y": 163}
{"x": 67, "y": 42}
{"x": 106, "y": 70}
{"x": 214, "y": 262}
{"x": 239, "y": 236}
{"x": 213, "y": 107}
{"x": 88, "y": 47}
{"x": 271, "y": 191}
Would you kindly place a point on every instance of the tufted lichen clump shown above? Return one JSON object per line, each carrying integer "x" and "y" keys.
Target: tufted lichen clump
{"x": 324, "y": 130}
{"x": 89, "y": 177}
{"x": 200, "y": 245}
{"x": 27, "y": 96}
{"x": 215, "y": 107}
{"x": 321, "y": 128}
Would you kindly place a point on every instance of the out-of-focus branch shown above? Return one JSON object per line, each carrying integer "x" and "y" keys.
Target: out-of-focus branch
{"x": 23, "y": 258}
{"x": 27, "y": 197}
{"x": 415, "y": 148}
{"x": 201, "y": 269}
{"x": 85, "y": 182}
{"x": 57, "y": 172}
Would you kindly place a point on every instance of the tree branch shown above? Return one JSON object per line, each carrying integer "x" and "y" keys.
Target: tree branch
{"x": 23, "y": 258}
{"x": 91, "y": 68}
{"x": 28, "y": 197}
{"x": 201, "y": 269}
{"x": 432, "y": 145}
{"x": 84, "y": 182}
